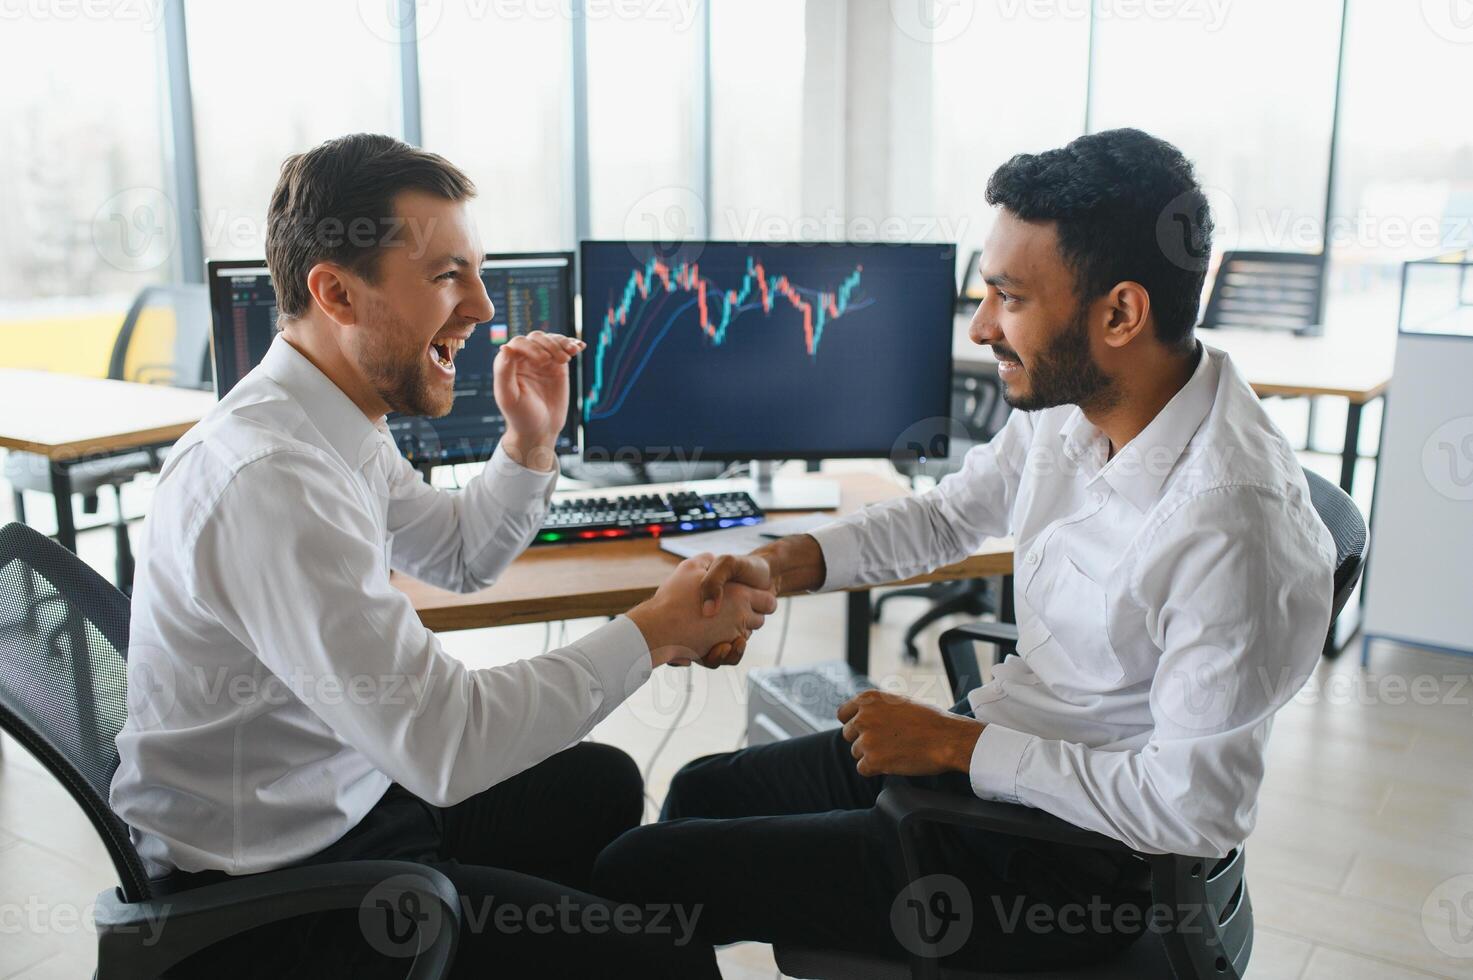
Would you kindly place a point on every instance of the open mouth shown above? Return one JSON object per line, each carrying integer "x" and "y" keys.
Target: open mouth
{"x": 443, "y": 352}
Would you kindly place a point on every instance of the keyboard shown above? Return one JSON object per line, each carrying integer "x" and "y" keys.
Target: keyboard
{"x": 645, "y": 515}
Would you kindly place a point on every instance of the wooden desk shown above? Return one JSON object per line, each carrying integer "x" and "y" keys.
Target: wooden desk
{"x": 69, "y": 419}
{"x": 553, "y": 582}
{"x": 1275, "y": 363}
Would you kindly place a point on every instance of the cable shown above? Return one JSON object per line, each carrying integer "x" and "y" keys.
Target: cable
{"x": 546, "y": 636}
{"x": 782, "y": 645}
{"x": 777, "y": 660}
{"x": 782, "y": 640}
{"x": 649, "y": 768}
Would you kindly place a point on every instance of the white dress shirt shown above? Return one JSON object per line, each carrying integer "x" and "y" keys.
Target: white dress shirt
{"x": 1169, "y": 600}
{"x": 278, "y": 682}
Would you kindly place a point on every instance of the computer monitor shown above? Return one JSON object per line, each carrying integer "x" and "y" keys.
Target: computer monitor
{"x": 727, "y": 350}
{"x": 531, "y": 291}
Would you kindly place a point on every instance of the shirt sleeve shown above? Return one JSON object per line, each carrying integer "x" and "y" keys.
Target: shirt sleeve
{"x": 292, "y": 567}
{"x": 463, "y": 540}
{"x": 1238, "y": 598}
{"x": 911, "y": 535}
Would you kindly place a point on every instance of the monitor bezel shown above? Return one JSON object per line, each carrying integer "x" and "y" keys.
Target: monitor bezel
{"x": 629, "y": 454}
{"x": 575, "y": 381}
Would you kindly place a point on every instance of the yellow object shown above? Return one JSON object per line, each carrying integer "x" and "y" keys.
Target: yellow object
{"x": 82, "y": 344}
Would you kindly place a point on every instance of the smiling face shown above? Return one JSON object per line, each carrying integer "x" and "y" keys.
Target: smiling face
{"x": 1035, "y": 323}
{"x": 426, "y": 300}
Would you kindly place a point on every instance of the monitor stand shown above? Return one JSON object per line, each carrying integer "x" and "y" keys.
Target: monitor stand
{"x": 770, "y": 493}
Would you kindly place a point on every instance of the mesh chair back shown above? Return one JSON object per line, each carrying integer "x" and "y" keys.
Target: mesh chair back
{"x": 165, "y": 338}
{"x": 1269, "y": 290}
{"x": 63, "y": 678}
{"x": 977, "y": 403}
{"x": 1348, "y": 528}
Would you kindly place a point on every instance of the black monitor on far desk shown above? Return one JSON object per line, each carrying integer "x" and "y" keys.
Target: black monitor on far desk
{"x": 736, "y": 351}
{"x": 531, "y": 291}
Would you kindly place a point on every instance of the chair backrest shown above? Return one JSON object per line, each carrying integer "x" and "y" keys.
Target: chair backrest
{"x": 977, "y": 403}
{"x": 1268, "y": 290}
{"x": 1347, "y": 528}
{"x": 165, "y": 338}
{"x": 63, "y": 678}
{"x": 1213, "y": 934}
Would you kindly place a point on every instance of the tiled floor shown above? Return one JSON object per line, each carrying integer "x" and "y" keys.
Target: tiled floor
{"x": 1366, "y": 810}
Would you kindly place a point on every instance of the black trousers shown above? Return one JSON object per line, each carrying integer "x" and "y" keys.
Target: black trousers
{"x": 781, "y": 843}
{"x": 521, "y": 855}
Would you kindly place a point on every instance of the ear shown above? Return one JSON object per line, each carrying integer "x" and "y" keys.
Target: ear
{"x": 1128, "y": 313}
{"x": 328, "y": 284}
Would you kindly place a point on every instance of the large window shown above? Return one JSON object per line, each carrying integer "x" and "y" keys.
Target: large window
{"x": 1404, "y": 186}
{"x": 644, "y": 103}
{"x": 495, "y": 91}
{"x": 87, "y": 210}
{"x": 1246, "y": 90}
{"x": 756, "y": 117}
{"x": 271, "y": 79}
{"x": 1008, "y": 83}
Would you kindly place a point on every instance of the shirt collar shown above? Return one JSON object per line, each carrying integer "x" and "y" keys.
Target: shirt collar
{"x": 350, "y": 433}
{"x": 1140, "y": 468}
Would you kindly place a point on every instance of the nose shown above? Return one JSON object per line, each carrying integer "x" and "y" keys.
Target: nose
{"x": 983, "y": 329}
{"x": 478, "y": 307}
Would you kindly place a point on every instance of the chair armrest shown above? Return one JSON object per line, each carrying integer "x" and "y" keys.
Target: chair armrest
{"x": 142, "y": 940}
{"x": 907, "y": 804}
{"x": 959, "y": 654}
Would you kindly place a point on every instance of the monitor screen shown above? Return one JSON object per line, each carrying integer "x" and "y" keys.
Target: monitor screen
{"x": 723, "y": 350}
{"x": 243, "y": 319}
{"x": 530, "y": 292}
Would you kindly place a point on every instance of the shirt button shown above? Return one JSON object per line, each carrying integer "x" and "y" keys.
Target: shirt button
{"x": 1031, "y": 558}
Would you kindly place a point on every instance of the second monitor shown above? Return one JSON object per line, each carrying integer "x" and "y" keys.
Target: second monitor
{"x": 530, "y": 292}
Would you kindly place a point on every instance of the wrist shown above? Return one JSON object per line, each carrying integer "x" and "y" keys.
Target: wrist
{"x": 960, "y": 744}
{"x": 796, "y": 563}
{"x": 651, "y": 626}
{"x": 538, "y": 455}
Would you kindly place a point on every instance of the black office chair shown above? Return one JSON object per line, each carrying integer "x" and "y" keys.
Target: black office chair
{"x": 1267, "y": 290}
{"x": 176, "y": 316}
{"x": 1216, "y": 945}
{"x": 1270, "y": 291}
{"x": 977, "y": 402}
{"x": 63, "y": 640}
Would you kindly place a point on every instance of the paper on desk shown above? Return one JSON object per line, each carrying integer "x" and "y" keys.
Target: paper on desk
{"x": 740, "y": 540}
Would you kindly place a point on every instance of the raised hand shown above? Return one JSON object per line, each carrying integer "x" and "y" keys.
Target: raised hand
{"x": 530, "y": 381}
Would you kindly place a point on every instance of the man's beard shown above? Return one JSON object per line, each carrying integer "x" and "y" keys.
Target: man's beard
{"x": 1065, "y": 373}
{"x": 401, "y": 378}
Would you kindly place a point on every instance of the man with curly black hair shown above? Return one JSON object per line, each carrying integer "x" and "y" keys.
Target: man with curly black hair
{"x": 1172, "y": 587}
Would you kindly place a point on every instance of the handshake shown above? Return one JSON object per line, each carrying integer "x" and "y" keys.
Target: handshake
{"x": 708, "y": 609}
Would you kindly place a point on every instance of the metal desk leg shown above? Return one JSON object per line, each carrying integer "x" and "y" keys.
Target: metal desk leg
{"x": 61, "y": 493}
{"x": 1351, "y": 452}
{"x": 857, "y": 631}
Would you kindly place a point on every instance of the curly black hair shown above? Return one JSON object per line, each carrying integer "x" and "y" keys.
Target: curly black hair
{"x": 1126, "y": 206}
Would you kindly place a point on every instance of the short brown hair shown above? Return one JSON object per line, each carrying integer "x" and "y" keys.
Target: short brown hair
{"x": 335, "y": 203}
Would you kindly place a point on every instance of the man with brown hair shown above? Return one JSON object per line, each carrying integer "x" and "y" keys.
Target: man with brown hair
{"x": 286, "y": 705}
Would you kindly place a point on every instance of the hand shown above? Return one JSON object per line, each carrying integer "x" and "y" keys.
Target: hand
{"x": 530, "y": 381}
{"x": 892, "y": 735}
{"x": 790, "y": 564}
{"x": 677, "y": 633}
